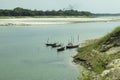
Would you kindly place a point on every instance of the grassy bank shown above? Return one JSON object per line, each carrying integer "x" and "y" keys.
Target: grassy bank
{"x": 96, "y": 56}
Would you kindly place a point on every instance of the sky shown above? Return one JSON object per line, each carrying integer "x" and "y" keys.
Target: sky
{"x": 94, "y": 6}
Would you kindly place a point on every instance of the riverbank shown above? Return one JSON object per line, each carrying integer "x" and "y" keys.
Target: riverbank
{"x": 101, "y": 57}
{"x": 27, "y": 21}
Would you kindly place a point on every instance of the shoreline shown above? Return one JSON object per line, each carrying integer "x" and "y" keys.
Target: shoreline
{"x": 51, "y": 21}
{"x": 101, "y": 57}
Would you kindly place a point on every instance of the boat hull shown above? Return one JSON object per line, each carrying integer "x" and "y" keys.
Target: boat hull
{"x": 61, "y": 49}
{"x": 54, "y": 46}
{"x": 50, "y": 44}
{"x": 71, "y": 47}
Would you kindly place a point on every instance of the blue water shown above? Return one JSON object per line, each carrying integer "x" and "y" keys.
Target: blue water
{"x": 24, "y": 56}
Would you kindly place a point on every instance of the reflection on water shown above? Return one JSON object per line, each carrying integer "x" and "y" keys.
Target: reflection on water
{"x": 24, "y": 56}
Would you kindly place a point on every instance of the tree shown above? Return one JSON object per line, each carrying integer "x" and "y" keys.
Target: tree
{"x": 27, "y": 12}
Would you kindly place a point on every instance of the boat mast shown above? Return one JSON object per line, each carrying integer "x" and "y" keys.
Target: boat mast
{"x": 47, "y": 40}
{"x": 78, "y": 38}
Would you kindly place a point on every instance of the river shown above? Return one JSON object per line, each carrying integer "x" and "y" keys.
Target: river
{"x": 24, "y": 56}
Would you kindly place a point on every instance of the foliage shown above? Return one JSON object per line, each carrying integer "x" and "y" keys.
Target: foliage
{"x": 27, "y": 12}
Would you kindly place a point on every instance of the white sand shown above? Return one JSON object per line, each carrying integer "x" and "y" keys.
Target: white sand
{"x": 47, "y": 21}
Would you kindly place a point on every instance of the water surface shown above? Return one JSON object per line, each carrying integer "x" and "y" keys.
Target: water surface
{"x": 24, "y": 56}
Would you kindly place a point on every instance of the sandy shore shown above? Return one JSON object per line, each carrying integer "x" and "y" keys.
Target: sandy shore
{"x": 48, "y": 21}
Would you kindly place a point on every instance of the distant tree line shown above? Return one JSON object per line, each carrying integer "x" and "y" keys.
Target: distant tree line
{"x": 27, "y": 12}
{"x": 107, "y": 14}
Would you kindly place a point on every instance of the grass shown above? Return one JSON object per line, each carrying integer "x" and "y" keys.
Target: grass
{"x": 95, "y": 59}
{"x": 86, "y": 76}
{"x": 97, "y": 45}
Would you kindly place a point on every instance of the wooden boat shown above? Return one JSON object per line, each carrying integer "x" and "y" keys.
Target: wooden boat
{"x": 56, "y": 45}
{"x": 71, "y": 46}
{"x": 50, "y": 44}
{"x": 61, "y": 49}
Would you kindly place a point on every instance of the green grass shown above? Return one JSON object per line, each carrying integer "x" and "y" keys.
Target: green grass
{"x": 96, "y": 60}
{"x": 86, "y": 76}
{"x": 97, "y": 45}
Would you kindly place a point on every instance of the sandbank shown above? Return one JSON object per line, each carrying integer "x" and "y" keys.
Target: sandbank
{"x": 51, "y": 21}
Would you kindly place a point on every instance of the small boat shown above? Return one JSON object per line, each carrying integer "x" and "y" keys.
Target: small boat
{"x": 56, "y": 45}
{"x": 50, "y": 44}
{"x": 61, "y": 49}
{"x": 71, "y": 46}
